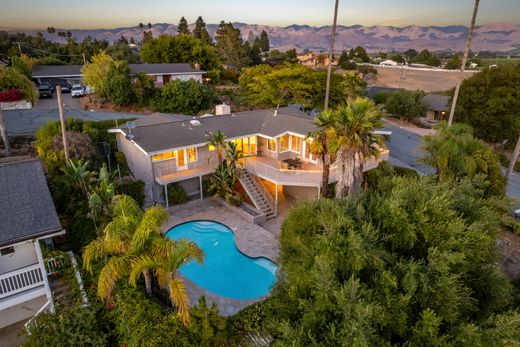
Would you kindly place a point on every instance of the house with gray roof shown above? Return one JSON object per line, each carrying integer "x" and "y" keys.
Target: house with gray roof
{"x": 27, "y": 215}
{"x": 161, "y": 73}
{"x": 438, "y": 106}
{"x": 165, "y": 149}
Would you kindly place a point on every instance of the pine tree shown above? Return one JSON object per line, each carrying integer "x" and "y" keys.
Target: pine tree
{"x": 230, "y": 46}
{"x": 201, "y": 32}
{"x": 183, "y": 27}
{"x": 264, "y": 42}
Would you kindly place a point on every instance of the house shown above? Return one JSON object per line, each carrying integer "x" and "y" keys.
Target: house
{"x": 161, "y": 150}
{"x": 438, "y": 106}
{"x": 27, "y": 215}
{"x": 473, "y": 65}
{"x": 161, "y": 73}
{"x": 389, "y": 63}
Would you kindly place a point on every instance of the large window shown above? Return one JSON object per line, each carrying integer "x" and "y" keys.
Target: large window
{"x": 271, "y": 145}
{"x": 284, "y": 143}
{"x": 192, "y": 155}
{"x": 296, "y": 144}
{"x": 163, "y": 156}
{"x": 247, "y": 145}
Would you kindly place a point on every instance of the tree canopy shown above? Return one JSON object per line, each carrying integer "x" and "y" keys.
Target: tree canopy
{"x": 11, "y": 78}
{"x": 405, "y": 103}
{"x": 229, "y": 45}
{"x": 489, "y": 101}
{"x": 189, "y": 97}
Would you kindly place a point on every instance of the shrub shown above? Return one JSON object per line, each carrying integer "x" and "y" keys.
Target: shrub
{"x": 381, "y": 97}
{"x": 10, "y": 95}
{"x": 188, "y": 97}
{"x": 118, "y": 83}
{"x": 406, "y": 104}
{"x": 13, "y": 79}
{"x": 366, "y": 69}
{"x": 134, "y": 189}
{"x": 250, "y": 319}
{"x": 176, "y": 194}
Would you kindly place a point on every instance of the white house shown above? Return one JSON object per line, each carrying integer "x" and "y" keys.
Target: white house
{"x": 27, "y": 215}
{"x": 388, "y": 62}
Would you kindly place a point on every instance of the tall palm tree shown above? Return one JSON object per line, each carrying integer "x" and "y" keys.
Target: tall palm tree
{"x": 331, "y": 53}
{"x": 319, "y": 146}
{"x": 351, "y": 137}
{"x": 464, "y": 61}
{"x": 218, "y": 140}
{"x": 165, "y": 260}
{"x": 130, "y": 234}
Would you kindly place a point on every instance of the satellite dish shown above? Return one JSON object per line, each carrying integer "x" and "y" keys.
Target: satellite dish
{"x": 130, "y": 124}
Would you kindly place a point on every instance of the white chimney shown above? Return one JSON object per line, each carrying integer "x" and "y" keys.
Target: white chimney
{"x": 222, "y": 109}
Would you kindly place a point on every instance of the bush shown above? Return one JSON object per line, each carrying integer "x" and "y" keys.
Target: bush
{"x": 189, "y": 97}
{"x": 381, "y": 97}
{"x": 406, "y": 104}
{"x": 176, "y": 194}
{"x": 10, "y": 95}
{"x": 366, "y": 69}
{"x": 250, "y": 319}
{"x": 118, "y": 83}
{"x": 134, "y": 189}
{"x": 13, "y": 79}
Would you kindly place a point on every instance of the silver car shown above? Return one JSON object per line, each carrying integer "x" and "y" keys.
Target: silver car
{"x": 77, "y": 91}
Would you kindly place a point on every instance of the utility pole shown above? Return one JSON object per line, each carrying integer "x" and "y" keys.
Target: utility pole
{"x": 3, "y": 134}
{"x": 464, "y": 61}
{"x": 331, "y": 51}
{"x": 62, "y": 121}
{"x": 512, "y": 162}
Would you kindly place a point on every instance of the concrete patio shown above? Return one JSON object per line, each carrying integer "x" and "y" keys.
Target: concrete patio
{"x": 251, "y": 239}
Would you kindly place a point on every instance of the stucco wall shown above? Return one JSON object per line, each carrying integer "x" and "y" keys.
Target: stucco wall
{"x": 24, "y": 255}
{"x": 302, "y": 193}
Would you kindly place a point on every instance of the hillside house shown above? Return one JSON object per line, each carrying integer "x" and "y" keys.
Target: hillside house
{"x": 438, "y": 106}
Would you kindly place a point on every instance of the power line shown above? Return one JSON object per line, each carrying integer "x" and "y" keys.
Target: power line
{"x": 40, "y": 51}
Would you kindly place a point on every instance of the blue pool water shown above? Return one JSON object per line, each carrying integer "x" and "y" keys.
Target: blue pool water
{"x": 225, "y": 270}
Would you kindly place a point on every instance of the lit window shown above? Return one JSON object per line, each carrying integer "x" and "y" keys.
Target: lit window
{"x": 192, "y": 155}
{"x": 296, "y": 144}
{"x": 252, "y": 145}
{"x": 211, "y": 147}
{"x": 163, "y": 156}
{"x": 271, "y": 145}
{"x": 284, "y": 143}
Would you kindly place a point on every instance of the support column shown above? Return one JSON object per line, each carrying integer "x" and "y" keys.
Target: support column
{"x": 276, "y": 201}
{"x": 46, "y": 285}
{"x": 201, "y": 193}
{"x": 166, "y": 195}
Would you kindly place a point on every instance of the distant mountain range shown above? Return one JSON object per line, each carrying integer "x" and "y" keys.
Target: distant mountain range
{"x": 501, "y": 37}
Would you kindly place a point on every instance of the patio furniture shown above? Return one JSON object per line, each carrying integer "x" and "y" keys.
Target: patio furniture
{"x": 293, "y": 163}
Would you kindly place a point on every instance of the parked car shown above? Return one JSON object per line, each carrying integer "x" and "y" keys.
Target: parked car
{"x": 45, "y": 90}
{"x": 77, "y": 90}
{"x": 65, "y": 87}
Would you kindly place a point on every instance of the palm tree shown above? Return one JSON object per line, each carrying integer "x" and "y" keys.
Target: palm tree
{"x": 319, "y": 146}
{"x": 3, "y": 133}
{"x": 351, "y": 138}
{"x": 130, "y": 234}
{"x": 165, "y": 260}
{"x": 464, "y": 61}
{"x": 331, "y": 53}
{"x": 218, "y": 140}
{"x": 77, "y": 173}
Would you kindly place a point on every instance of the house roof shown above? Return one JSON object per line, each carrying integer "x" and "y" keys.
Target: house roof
{"x": 157, "y": 133}
{"x": 46, "y": 71}
{"x": 437, "y": 102}
{"x": 26, "y": 207}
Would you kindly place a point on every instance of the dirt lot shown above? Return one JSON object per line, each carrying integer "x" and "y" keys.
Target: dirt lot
{"x": 412, "y": 79}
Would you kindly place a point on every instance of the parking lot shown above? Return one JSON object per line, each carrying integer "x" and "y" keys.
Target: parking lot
{"x": 52, "y": 104}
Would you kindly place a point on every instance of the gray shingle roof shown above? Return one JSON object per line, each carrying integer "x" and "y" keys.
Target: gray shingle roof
{"x": 437, "y": 102}
{"x": 26, "y": 206}
{"x": 42, "y": 71}
{"x": 159, "y": 134}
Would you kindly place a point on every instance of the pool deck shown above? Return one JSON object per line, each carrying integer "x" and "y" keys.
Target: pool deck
{"x": 251, "y": 239}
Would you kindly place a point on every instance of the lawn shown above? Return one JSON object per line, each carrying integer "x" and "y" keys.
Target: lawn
{"x": 500, "y": 61}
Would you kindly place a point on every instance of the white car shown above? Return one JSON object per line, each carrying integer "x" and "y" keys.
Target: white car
{"x": 77, "y": 90}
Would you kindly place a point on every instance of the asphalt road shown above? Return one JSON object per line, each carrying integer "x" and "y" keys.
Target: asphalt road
{"x": 404, "y": 151}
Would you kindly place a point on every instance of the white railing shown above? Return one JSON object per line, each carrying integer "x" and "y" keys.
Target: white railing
{"x": 164, "y": 168}
{"x": 52, "y": 265}
{"x": 283, "y": 176}
{"x": 32, "y": 322}
{"x": 21, "y": 280}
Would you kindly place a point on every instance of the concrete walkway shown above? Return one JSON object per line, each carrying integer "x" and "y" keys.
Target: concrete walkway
{"x": 251, "y": 239}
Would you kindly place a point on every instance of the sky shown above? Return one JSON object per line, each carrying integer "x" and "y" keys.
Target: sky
{"x": 106, "y": 14}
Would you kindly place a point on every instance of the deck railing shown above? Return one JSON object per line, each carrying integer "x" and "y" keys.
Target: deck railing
{"x": 164, "y": 168}
{"x": 21, "y": 280}
{"x": 282, "y": 176}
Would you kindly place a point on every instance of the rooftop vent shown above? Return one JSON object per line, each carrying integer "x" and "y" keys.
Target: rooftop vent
{"x": 222, "y": 109}
{"x": 194, "y": 122}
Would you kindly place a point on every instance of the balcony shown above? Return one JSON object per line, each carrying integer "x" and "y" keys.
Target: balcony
{"x": 166, "y": 174}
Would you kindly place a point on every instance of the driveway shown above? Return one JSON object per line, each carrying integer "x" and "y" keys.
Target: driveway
{"x": 46, "y": 110}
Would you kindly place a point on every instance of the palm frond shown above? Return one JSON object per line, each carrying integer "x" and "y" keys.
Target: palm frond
{"x": 179, "y": 299}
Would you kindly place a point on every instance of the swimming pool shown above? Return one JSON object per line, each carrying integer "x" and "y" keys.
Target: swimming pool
{"x": 225, "y": 271}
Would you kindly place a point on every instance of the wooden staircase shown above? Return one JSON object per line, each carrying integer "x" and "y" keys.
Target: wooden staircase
{"x": 258, "y": 194}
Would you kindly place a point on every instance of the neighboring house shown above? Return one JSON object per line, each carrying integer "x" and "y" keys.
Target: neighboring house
{"x": 27, "y": 215}
{"x": 390, "y": 63}
{"x": 161, "y": 150}
{"x": 473, "y": 65}
{"x": 161, "y": 73}
{"x": 438, "y": 106}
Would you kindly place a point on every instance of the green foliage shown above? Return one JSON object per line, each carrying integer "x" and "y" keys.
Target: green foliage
{"x": 276, "y": 57}
{"x": 263, "y": 41}
{"x": 345, "y": 63}
{"x": 176, "y": 194}
{"x": 425, "y": 57}
{"x": 95, "y": 73}
{"x": 188, "y": 97}
{"x": 118, "y": 84}
{"x": 456, "y": 154}
{"x": 71, "y": 325}
{"x": 373, "y": 178}
{"x": 200, "y": 32}
{"x": 134, "y": 189}
{"x": 406, "y": 104}
{"x": 24, "y": 64}
{"x": 121, "y": 51}
{"x": 250, "y": 319}
{"x": 366, "y": 69}
{"x": 277, "y": 86}
{"x": 11, "y": 78}
{"x": 489, "y": 101}
{"x": 229, "y": 45}
{"x": 412, "y": 262}
{"x": 144, "y": 89}
{"x": 182, "y": 49}
{"x": 182, "y": 28}
{"x": 381, "y": 97}
{"x": 207, "y": 328}
{"x": 454, "y": 63}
